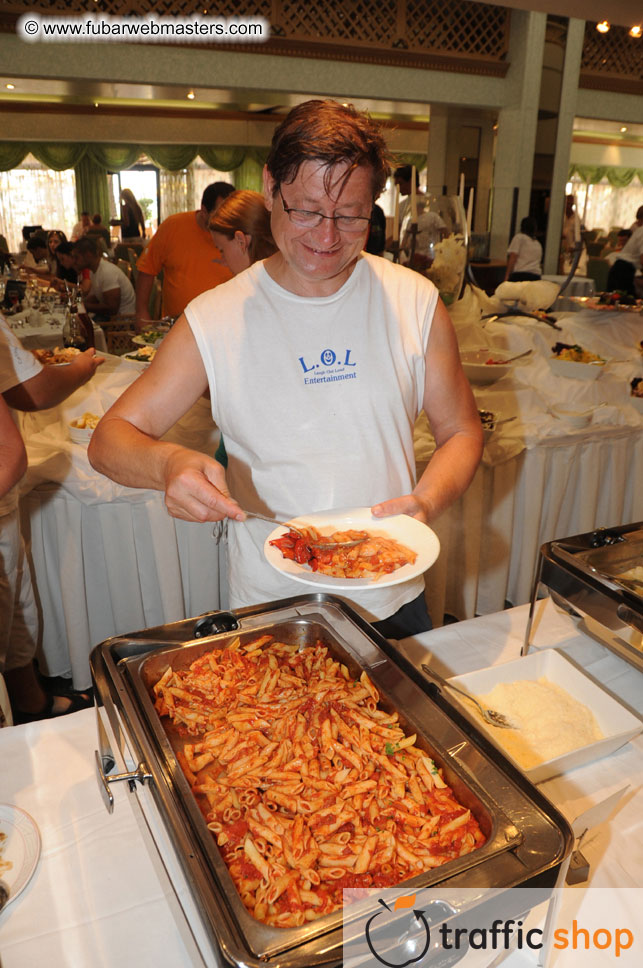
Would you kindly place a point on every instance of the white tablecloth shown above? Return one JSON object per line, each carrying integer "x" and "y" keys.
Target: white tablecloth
{"x": 95, "y": 900}
{"x": 579, "y": 286}
{"x": 108, "y": 559}
{"x": 540, "y": 478}
{"x": 39, "y": 330}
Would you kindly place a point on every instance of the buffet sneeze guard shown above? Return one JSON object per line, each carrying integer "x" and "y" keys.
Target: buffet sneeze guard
{"x": 526, "y": 843}
{"x": 598, "y": 576}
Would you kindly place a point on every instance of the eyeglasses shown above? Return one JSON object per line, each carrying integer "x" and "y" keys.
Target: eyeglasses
{"x": 310, "y": 220}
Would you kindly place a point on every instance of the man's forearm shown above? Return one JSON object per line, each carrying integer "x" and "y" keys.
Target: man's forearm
{"x": 144, "y": 283}
{"x": 127, "y": 455}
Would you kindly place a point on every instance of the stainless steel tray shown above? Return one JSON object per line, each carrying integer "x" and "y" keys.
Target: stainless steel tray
{"x": 526, "y": 838}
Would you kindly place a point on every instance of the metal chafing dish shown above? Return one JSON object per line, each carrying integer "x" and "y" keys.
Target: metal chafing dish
{"x": 527, "y": 840}
{"x": 585, "y": 574}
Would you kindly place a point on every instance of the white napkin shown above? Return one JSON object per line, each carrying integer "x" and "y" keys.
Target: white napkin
{"x": 529, "y": 296}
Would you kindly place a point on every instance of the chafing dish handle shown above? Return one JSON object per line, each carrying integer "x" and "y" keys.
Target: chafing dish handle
{"x": 215, "y": 622}
{"x": 630, "y": 617}
{"x": 140, "y": 774}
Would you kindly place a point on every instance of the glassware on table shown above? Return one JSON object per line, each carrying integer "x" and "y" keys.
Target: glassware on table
{"x": 72, "y": 331}
{"x": 439, "y": 245}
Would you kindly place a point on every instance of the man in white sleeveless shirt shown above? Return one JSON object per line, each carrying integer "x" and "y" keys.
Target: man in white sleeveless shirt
{"x": 318, "y": 361}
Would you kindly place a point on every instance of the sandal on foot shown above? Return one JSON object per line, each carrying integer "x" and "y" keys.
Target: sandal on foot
{"x": 77, "y": 701}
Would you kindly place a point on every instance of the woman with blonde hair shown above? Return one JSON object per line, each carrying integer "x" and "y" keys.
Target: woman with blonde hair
{"x": 132, "y": 218}
{"x": 240, "y": 227}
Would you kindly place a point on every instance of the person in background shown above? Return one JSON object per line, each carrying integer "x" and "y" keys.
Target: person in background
{"x": 35, "y": 261}
{"x": 376, "y": 241}
{"x": 638, "y": 221}
{"x": 111, "y": 293}
{"x": 184, "y": 251}
{"x": 524, "y": 255}
{"x": 241, "y": 231}
{"x": 26, "y": 385}
{"x": 57, "y": 270}
{"x": 132, "y": 218}
{"x": 629, "y": 261}
{"x": 69, "y": 274}
{"x": 571, "y": 232}
{"x": 318, "y": 360}
{"x": 98, "y": 231}
{"x": 80, "y": 228}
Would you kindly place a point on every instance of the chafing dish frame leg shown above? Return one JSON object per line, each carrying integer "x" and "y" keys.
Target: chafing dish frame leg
{"x": 140, "y": 775}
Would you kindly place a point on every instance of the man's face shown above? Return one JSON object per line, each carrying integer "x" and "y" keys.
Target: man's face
{"x": 81, "y": 260}
{"x": 85, "y": 220}
{"x": 40, "y": 253}
{"x": 404, "y": 184}
{"x": 317, "y": 261}
{"x": 66, "y": 260}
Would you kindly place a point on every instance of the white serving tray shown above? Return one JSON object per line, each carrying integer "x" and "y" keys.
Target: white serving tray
{"x": 617, "y": 724}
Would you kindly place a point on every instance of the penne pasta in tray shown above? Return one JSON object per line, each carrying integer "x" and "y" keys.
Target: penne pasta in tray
{"x": 306, "y": 783}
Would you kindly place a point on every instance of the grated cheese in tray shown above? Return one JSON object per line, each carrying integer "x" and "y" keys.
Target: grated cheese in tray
{"x": 551, "y": 722}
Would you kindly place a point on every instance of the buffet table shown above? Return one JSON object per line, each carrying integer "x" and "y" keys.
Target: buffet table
{"x": 540, "y": 477}
{"x": 107, "y": 558}
{"x": 95, "y": 899}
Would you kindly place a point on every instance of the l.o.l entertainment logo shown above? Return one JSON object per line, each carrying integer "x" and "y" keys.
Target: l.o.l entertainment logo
{"x": 408, "y": 902}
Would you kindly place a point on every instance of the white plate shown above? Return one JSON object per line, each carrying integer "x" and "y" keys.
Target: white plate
{"x": 21, "y": 846}
{"x": 80, "y": 435}
{"x": 616, "y": 723}
{"x": 576, "y": 371}
{"x": 477, "y": 370}
{"x": 141, "y": 340}
{"x": 135, "y": 359}
{"x": 408, "y": 531}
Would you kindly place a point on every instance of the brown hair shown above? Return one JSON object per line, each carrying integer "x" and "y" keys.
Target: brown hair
{"x": 332, "y": 134}
{"x": 246, "y": 212}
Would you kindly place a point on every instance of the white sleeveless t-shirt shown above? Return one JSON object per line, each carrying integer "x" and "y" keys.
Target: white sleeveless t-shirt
{"x": 316, "y": 399}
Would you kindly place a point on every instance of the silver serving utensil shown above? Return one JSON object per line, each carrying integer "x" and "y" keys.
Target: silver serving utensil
{"x": 511, "y": 358}
{"x": 4, "y": 895}
{"x": 491, "y": 716}
{"x": 326, "y": 545}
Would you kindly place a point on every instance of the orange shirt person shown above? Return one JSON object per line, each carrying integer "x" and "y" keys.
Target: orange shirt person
{"x": 183, "y": 249}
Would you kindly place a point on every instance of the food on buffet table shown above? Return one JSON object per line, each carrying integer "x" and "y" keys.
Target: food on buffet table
{"x": 618, "y": 297}
{"x": 573, "y": 353}
{"x": 637, "y": 386}
{"x": 59, "y": 354}
{"x": 549, "y": 721}
{"x": 5, "y": 865}
{"x": 372, "y": 558}
{"x": 151, "y": 336}
{"x": 145, "y": 355}
{"x": 307, "y": 785}
{"x": 487, "y": 419}
{"x": 88, "y": 421}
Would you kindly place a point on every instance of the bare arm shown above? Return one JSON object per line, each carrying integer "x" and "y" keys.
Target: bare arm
{"x": 144, "y": 283}
{"x": 512, "y": 258}
{"x": 54, "y": 383}
{"x": 451, "y": 408}
{"x": 13, "y": 457}
{"x": 109, "y": 306}
{"x": 126, "y": 447}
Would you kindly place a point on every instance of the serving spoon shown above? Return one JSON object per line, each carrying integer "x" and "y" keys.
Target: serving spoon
{"x": 491, "y": 716}
{"x": 325, "y": 545}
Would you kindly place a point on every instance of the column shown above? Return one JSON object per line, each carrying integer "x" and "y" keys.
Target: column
{"x": 517, "y": 120}
{"x": 437, "y": 149}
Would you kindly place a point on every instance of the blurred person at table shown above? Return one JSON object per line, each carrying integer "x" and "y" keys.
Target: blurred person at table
{"x": 68, "y": 271}
{"x": 629, "y": 261}
{"x": 524, "y": 255}
{"x": 58, "y": 270}
{"x": 318, "y": 360}
{"x": 111, "y": 292}
{"x": 570, "y": 233}
{"x": 132, "y": 218}
{"x": 25, "y": 384}
{"x": 80, "y": 228}
{"x": 184, "y": 251}
{"x": 35, "y": 261}
{"x": 241, "y": 231}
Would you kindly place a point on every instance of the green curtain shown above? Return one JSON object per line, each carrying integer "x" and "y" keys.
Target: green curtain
{"x": 171, "y": 157}
{"x": 410, "y": 159}
{"x": 222, "y": 158}
{"x": 113, "y": 157}
{"x": 92, "y": 191}
{"x": 249, "y": 175}
{"x": 12, "y": 153}
{"x": 617, "y": 177}
{"x": 58, "y": 155}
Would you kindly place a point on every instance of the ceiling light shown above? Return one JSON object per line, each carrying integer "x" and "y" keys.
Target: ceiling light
{"x": 623, "y": 129}
{"x": 190, "y": 95}
{"x": 603, "y": 27}
{"x": 11, "y": 87}
{"x": 635, "y": 31}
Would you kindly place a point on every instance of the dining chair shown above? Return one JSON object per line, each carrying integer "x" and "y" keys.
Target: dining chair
{"x": 119, "y": 324}
{"x": 120, "y": 342}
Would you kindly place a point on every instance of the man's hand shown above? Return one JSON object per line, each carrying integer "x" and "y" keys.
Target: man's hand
{"x": 196, "y": 489}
